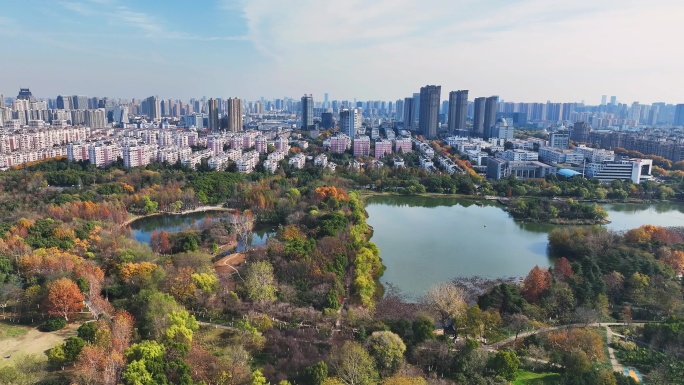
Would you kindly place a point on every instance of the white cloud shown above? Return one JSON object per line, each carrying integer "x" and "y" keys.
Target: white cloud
{"x": 524, "y": 50}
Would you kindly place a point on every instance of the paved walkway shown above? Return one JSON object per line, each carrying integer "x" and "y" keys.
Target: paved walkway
{"x": 498, "y": 345}
{"x": 611, "y": 353}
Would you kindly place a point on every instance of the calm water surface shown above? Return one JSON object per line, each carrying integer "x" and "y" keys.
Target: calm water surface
{"x": 424, "y": 241}
{"x": 171, "y": 223}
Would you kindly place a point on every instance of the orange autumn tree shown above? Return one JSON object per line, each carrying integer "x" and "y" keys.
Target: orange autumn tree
{"x": 649, "y": 233}
{"x": 102, "y": 360}
{"x": 562, "y": 269}
{"x": 131, "y": 271}
{"x": 50, "y": 261}
{"x": 323, "y": 193}
{"x": 63, "y": 298}
{"x": 160, "y": 242}
{"x": 536, "y": 283}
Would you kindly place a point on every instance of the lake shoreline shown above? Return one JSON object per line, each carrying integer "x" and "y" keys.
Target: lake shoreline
{"x": 424, "y": 241}
{"x": 200, "y": 209}
{"x": 365, "y": 195}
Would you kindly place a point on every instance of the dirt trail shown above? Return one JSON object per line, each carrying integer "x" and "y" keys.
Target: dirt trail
{"x": 33, "y": 342}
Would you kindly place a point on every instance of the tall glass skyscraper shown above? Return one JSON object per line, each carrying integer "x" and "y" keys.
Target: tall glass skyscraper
{"x": 428, "y": 121}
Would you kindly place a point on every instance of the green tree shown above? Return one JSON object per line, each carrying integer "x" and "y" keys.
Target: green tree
{"x": 27, "y": 370}
{"x": 316, "y": 373}
{"x": 57, "y": 357}
{"x": 504, "y": 364}
{"x": 72, "y": 348}
{"x": 423, "y": 329}
{"x": 388, "y": 350}
{"x": 208, "y": 283}
{"x": 149, "y": 206}
{"x": 353, "y": 365}
{"x": 258, "y": 378}
{"x": 260, "y": 282}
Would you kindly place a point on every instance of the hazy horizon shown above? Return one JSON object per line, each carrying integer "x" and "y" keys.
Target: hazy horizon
{"x": 523, "y": 51}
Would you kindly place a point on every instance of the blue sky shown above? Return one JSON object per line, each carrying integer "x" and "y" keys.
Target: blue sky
{"x": 522, "y": 50}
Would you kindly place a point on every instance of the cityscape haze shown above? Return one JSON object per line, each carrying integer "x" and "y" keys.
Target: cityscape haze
{"x": 521, "y": 50}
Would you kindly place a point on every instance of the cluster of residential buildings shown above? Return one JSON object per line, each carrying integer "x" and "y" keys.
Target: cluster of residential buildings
{"x": 361, "y": 145}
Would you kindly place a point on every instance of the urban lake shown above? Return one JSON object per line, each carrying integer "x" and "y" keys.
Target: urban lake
{"x": 428, "y": 240}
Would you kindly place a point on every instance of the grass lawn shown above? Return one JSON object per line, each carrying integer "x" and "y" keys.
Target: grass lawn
{"x": 8, "y": 330}
{"x": 523, "y": 377}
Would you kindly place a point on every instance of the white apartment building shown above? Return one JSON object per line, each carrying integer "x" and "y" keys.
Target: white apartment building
{"x": 172, "y": 154}
{"x": 248, "y": 162}
{"x": 261, "y": 144}
{"x": 276, "y": 156}
{"x": 282, "y": 144}
{"x": 403, "y": 144}
{"x": 518, "y": 155}
{"x": 271, "y": 166}
{"x": 297, "y": 161}
{"x": 321, "y": 160}
{"x": 138, "y": 154}
{"x": 77, "y": 151}
{"x": 195, "y": 158}
{"x": 339, "y": 143}
{"x": 102, "y": 154}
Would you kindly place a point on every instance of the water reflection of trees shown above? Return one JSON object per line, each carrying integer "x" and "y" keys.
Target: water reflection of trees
{"x": 660, "y": 208}
{"x": 424, "y": 201}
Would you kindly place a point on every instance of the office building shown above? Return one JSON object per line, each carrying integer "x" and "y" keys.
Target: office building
{"x": 25, "y": 94}
{"x": 349, "y": 121}
{"x": 502, "y": 130}
{"x": 153, "y": 108}
{"x": 64, "y": 103}
{"x": 498, "y": 168}
{"x": 96, "y": 118}
{"x": 458, "y": 108}
{"x": 635, "y": 170}
{"x": 428, "y": 119}
{"x": 560, "y": 139}
{"x": 327, "y": 121}
{"x": 580, "y": 132}
{"x": 234, "y": 114}
{"x": 408, "y": 113}
{"x": 518, "y": 155}
{"x": 478, "y": 116}
{"x": 416, "y": 111}
{"x": 80, "y": 102}
{"x": 489, "y": 116}
{"x": 213, "y": 115}
{"x": 399, "y": 113}
{"x": 558, "y": 156}
{"x": 307, "y": 112}
{"x": 679, "y": 115}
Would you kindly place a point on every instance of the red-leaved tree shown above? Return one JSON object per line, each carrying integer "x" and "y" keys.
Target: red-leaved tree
{"x": 63, "y": 298}
{"x": 536, "y": 283}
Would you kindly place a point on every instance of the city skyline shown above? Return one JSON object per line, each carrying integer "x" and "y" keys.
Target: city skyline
{"x": 522, "y": 51}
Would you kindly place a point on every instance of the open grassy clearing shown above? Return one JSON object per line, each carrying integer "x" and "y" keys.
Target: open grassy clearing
{"x": 523, "y": 377}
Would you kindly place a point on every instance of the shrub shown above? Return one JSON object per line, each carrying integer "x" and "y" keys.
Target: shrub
{"x": 53, "y": 324}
